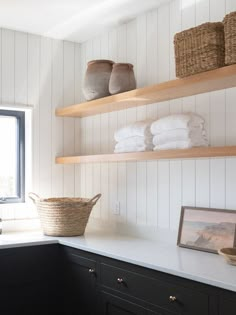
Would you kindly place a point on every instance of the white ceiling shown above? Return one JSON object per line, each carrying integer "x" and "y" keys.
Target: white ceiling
{"x": 75, "y": 20}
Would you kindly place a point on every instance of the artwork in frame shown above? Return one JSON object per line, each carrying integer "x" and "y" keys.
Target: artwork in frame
{"x": 207, "y": 229}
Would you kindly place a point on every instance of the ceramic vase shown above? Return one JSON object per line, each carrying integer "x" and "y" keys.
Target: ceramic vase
{"x": 122, "y": 78}
{"x": 96, "y": 81}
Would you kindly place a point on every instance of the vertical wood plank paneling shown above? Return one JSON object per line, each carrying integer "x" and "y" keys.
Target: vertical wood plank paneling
{"x": 230, "y": 136}
{"x": 217, "y": 99}
{"x": 217, "y": 119}
{"x": 175, "y": 193}
{"x": 8, "y": 66}
{"x": 217, "y": 183}
{"x": 121, "y": 121}
{"x": 202, "y": 183}
{"x": 131, "y": 177}
{"x": 113, "y": 180}
{"x": 202, "y": 11}
{"x": 131, "y": 192}
{"x": 152, "y": 195}
{"x": 163, "y": 194}
{"x": 97, "y": 188}
{"x": 104, "y": 191}
{"x": 57, "y": 122}
{"x": 230, "y": 6}
{"x": 45, "y": 117}
{"x": 188, "y": 14}
{"x": 163, "y": 46}
{"x": 141, "y": 193}
{"x": 77, "y": 122}
{"x": 188, "y": 183}
{"x": 50, "y": 74}
{"x": 151, "y": 49}
{"x": 21, "y": 97}
{"x": 175, "y": 27}
{"x": 230, "y": 183}
{"x": 21, "y": 60}
{"x": 33, "y": 98}
{"x": 69, "y": 98}
{"x": 142, "y": 51}
{"x": 122, "y": 190}
{"x": 132, "y": 44}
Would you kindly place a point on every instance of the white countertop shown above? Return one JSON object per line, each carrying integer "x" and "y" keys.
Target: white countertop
{"x": 159, "y": 255}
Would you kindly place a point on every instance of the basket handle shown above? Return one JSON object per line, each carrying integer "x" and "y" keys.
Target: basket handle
{"x": 33, "y": 197}
{"x": 95, "y": 198}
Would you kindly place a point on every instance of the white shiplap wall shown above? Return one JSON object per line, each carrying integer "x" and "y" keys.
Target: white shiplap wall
{"x": 45, "y": 73}
{"x": 151, "y": 193}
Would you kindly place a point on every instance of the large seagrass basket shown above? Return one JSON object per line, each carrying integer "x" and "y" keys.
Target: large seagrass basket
{"x": 199, "y": 49}
{"x": 230, "y": 38}
{"x": 64, "y": 216}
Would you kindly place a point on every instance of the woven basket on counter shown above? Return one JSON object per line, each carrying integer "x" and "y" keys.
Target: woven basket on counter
{"x": 230, "y": 38}
{"x": 199, "y": 49}
{"x": 64, "y": 216}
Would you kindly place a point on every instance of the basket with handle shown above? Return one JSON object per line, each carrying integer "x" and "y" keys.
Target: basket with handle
{"x": 64, "y": 216}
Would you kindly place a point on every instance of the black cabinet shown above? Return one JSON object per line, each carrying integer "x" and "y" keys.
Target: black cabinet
{"x": 114, "y": 305}
{"x": 80, "y": 280}
{"x": 106, "y": 286}
{"x": 55, "y": 279}
{"x": 29, "y": 280}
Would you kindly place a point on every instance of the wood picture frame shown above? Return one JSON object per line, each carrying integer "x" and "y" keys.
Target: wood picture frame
{"x": 206, "y": 229}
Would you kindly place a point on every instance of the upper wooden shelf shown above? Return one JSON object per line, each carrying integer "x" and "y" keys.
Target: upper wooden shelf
{"x": 200, "y": 83}
{"x": 198, "y": 152}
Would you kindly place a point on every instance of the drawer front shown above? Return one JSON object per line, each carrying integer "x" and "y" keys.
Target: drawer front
{"x": 74, "y": 256}
{"x": 171, "y": 297}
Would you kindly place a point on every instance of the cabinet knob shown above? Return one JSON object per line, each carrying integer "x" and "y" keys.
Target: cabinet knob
{"x": 172, "y": 298}
{"x": 91, "y": 270}
{"x": 120, "y": 280}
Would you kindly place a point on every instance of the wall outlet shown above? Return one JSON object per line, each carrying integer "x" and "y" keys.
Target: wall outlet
{"x": 116, "y": 209}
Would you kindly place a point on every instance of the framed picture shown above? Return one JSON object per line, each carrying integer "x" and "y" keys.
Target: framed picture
{"x": 207, "y": 229}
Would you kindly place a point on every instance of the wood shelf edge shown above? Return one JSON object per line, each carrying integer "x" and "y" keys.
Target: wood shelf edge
{"x": 197, "y": 152}
{"x": 204, "y": 82}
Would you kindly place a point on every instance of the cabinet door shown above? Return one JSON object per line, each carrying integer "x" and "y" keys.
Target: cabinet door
{"x": 228, "y": 305}
{"x": 113, "y": 305}
{"x": 80, "y": 285}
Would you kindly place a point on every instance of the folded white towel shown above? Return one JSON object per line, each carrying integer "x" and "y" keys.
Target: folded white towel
{"x": 177, "y": 121}
{"x": 134, "y": 141}
{"x": 137, "y": 148}
{"x": 195, "y": 134}
{"x": 139, "y": 128}
{"x": 181, "y": 145}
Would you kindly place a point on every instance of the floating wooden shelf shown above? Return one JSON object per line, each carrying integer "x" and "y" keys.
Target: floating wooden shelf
{"x": 198, "y": 152}
{"x": 214, "y": 80}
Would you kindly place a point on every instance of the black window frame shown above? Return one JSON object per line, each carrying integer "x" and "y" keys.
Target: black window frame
{"x": 20, "y": 181}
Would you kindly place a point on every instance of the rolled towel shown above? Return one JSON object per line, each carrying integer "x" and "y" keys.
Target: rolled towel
{"x": 139, "y": 148}
{"x": 195, "y": 134}
{"x": 134, "y": 141}
{"x": 185, "y": 144}
{"x": 139, "y": 128}
{"x": 177, "y": 121}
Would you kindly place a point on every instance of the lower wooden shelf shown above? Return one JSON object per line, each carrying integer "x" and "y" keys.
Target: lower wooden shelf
{"x": 198, "y": 152}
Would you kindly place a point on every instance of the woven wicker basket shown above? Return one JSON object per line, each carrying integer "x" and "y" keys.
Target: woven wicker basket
{"x": 199, "y": 49}
{"x": 64, "y": 216}
{"x": 230, "y": 38}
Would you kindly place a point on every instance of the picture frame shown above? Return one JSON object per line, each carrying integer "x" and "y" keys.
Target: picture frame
{"x": 206, "y": 229}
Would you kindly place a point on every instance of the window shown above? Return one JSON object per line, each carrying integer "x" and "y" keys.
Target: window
{"x": 12, "y": 156}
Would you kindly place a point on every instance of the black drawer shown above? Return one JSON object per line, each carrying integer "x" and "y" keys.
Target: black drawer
{"x": 172, "y": 297}
{"x": 74, "y": 256}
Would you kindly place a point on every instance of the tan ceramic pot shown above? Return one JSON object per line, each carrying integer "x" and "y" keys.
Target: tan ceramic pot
{"x": 96, "y": 81}
{"x": 122, "y": 78}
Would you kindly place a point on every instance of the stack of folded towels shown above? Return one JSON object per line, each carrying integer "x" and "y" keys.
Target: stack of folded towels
{"x": 135, "y": 137}
{"x": 179, "y": 131}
